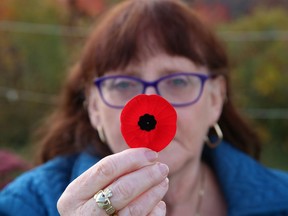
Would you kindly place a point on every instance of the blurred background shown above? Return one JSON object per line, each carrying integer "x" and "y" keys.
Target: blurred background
{"x": 39, "y": 41}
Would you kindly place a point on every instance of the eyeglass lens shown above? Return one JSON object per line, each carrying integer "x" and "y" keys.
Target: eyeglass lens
{"x": 178, "y": 89}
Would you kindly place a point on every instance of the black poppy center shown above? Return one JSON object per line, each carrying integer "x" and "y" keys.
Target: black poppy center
{"x": 147, "y": 122}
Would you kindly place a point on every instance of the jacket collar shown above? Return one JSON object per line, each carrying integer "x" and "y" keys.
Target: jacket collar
{"x": 248, "y": 186}
{"x": 82, "y": 163}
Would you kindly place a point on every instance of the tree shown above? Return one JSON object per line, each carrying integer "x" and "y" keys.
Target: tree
{"x": 258, "y": 46}
{"x": 32, "y": 64}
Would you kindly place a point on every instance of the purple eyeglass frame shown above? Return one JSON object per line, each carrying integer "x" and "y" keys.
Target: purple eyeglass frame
{"x": 203, "y": 78}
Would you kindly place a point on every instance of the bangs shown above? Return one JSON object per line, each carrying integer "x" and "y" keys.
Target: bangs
{"x": 137, "y": 29}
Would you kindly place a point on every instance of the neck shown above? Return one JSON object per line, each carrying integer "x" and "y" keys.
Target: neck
{"x": 186, "y": 189}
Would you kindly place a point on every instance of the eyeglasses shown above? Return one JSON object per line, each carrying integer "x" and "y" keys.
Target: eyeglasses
{"x": 180, "y": 89}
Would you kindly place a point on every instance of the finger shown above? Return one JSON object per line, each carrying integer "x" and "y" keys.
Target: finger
{"x": 131, "y": 186}
{"x": 159, "y": 209}
{"x": 101, "y": 174}
{"x": 110, "y": 168}
{"x": 147, "y": 202}
{"x": 142, "y": 203}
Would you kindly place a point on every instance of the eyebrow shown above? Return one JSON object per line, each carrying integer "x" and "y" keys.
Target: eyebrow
{"x": 121, "y": 72}
{"x": 135, "y": 73}
{"x": 162, "y": 72}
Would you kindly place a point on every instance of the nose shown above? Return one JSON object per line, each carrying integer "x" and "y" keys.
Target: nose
{"x": 150, "y": 90}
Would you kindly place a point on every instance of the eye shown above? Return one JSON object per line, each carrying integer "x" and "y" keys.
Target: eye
{"x": 177, "y": 82}
{"x": 122, "y": 84}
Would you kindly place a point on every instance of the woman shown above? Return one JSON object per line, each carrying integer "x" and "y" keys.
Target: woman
{"x": 88, "y": 168}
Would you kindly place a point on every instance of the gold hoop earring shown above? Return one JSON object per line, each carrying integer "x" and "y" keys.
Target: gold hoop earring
{"x": 101, "y": 134}
{"x": 219, "y": 134}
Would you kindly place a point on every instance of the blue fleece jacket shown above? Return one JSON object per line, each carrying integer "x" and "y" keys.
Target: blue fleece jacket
{"x": 250, "y": 189}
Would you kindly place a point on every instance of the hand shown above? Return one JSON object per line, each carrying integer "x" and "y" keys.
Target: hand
{"x": 138, "y": 183}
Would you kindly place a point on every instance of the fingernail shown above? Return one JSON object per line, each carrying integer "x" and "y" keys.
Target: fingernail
{"x": 165, "y": 182}
{"x": 163, "y": 169}
{"x": 151, "y": 155}
{"x": 162, "y": 205}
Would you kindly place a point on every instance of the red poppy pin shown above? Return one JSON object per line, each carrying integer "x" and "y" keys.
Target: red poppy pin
{"x": 148, "y": 121}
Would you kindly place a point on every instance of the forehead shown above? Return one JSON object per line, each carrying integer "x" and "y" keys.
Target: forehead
{"x": 160, "y": 63}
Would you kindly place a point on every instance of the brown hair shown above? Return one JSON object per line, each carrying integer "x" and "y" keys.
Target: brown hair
{"x": 119, "y": 39}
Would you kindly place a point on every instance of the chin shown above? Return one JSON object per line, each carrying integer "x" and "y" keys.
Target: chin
{"x": 176, "y": 156}
{"x": 172, "y": 158}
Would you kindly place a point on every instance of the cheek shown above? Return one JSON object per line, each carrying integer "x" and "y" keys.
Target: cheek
{"x": 189, "y": 140}
{"x": 193, "y": 124}
{"x": 110, "y": 119}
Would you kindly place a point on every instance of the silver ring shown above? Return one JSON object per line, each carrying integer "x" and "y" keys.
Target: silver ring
{"x": 103, "y": 201}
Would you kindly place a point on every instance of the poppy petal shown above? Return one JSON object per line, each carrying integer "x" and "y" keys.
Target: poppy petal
{"x": 148, "y": 121}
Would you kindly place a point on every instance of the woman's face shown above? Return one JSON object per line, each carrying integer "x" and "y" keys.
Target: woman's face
{"x": 193, "y": 121}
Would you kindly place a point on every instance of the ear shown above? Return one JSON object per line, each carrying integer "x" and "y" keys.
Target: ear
{"x": 93, "y": 110}
{"x": 217, "y": 98}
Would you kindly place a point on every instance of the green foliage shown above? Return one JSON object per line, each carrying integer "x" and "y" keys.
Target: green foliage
{"x": 45, "y": 11}
{"x": 260, "y": 71}
{"x": 36, "y": 62}
{"x": 32, "y": 66}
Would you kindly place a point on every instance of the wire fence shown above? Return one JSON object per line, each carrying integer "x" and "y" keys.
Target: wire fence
{"x": 15, "y": 95}
{"x": 72, "y": 31}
